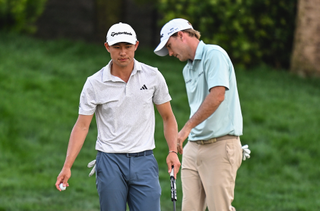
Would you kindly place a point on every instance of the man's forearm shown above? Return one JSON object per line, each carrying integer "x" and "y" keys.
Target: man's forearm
{"x": 170, "y": 128}
{"x": 207, "y": 108}
{"x": 76, "y": 141}
{"x": 77, "y": 138}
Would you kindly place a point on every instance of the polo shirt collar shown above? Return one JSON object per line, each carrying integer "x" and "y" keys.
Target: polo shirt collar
{"x": 107, "y": 76}
{"x": 199, "y": 52}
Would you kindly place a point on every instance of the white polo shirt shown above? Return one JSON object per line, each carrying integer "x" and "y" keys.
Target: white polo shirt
{"x": 124, "y": 111}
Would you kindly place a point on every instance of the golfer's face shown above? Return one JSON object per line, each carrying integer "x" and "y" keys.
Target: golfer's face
{"x": 175, "y": 48}
{"x": 122, "y": 54}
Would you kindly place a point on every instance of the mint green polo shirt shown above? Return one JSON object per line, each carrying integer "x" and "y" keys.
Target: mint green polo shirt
{"x": 212, "y": 67}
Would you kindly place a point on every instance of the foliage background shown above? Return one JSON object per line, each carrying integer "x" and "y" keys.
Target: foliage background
{"x": 20, "y": 15}
{"x": 252, "y": 32}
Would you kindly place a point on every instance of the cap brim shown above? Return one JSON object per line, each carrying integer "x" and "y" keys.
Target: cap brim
{"x": 133, "y": 42}
{"x": 161, "y": 50}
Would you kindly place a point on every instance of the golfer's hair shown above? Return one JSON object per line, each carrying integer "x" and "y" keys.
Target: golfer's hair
{"x": 191, "y": 32}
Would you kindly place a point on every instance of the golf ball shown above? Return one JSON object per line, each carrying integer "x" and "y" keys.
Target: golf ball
{"x": 62, "y": 187}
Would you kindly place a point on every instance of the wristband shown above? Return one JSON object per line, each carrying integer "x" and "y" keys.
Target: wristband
{"x": 173, "y": 152}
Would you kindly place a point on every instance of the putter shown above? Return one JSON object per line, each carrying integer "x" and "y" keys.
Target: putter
{"x": 173, "y": 189}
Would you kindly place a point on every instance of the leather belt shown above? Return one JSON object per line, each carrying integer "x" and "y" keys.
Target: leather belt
{"x": 138, "y": 154}
{"x": 203, "y": 142}
{"x": 213, "y": 140}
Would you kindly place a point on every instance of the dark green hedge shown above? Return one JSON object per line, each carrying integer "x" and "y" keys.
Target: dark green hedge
{"x": 20, "y": 15}
{"x": 251, "y": 31}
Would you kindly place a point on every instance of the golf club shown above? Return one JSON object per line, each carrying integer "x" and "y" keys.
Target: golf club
{"x": 173, "y": 189}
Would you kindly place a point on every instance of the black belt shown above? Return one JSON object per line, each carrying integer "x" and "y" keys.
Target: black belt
{"x": 138, "y": 154}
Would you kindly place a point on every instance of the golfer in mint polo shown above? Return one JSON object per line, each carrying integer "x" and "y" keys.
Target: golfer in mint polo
{"x": 122, "y": 96}
{"x": 213, "y": 153}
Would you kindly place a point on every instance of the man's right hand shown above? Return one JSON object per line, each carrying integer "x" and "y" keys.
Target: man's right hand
{"x": 180, "y": 146}
{"x": 63, "y": 177}
{"x": 182, "y": 136}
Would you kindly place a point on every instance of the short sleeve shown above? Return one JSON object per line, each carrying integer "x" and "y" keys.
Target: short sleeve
{"x": 161, "y": 94}
{"x": 88, "y": 103}
{"x": 217, "y": 69}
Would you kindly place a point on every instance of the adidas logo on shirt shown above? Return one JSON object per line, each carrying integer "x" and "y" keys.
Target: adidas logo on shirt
{"x": 144, "y": 87}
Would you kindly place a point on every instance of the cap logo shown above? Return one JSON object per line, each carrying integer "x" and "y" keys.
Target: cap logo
{"x": 172, "y": 30}
{"x": 118, "y": 33}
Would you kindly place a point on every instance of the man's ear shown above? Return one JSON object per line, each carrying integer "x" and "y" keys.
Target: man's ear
{"x": 136, "y": 45}
{"x": 180, "y": 35}
{"x": 107, "y": 46}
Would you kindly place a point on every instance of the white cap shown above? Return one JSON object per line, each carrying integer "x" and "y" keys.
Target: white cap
{"x": 121, "y": 32}
{"x": 169, "y": 29}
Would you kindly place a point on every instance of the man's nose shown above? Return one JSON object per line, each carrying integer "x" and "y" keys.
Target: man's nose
{"x": 122, "y": 51}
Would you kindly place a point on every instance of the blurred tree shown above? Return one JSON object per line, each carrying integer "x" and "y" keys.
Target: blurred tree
{"x": 20, "y": 15}
{"x": 251, "y": 31}
{"x": 108, "y": 12}
{"x": 306, "y": 53}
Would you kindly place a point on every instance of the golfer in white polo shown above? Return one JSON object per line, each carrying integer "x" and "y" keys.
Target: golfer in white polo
{"x": 122, "y": 96}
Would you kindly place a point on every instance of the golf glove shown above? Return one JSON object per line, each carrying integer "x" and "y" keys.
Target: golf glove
{"x": 245, "y": 152}
{"x": 92, "y": 165}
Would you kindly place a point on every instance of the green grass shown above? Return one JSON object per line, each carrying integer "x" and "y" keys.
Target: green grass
{"x": 40, "y": 84}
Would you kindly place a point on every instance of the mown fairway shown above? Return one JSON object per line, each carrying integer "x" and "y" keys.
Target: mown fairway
{"x": 40, "y": 84}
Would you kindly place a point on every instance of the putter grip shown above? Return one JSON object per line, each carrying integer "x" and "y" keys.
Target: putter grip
{"x": 173, "y": 187}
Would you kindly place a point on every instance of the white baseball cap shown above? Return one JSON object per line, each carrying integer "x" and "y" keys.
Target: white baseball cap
{"x": 121, "y": 32}
{"x": 169, "y": 29}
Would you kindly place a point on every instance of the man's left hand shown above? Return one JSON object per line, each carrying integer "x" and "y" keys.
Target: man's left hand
{"x": 173, "y": 160}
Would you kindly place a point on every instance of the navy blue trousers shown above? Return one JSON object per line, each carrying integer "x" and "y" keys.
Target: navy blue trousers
{"x": 131, "y": 179}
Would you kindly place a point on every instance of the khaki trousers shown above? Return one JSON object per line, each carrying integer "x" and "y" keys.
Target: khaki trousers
{"x": 208, "y": 174}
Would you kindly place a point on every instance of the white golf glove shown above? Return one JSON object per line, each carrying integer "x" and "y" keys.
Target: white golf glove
{"x": 245, "y": 152}
{"x": 92, "y": 165}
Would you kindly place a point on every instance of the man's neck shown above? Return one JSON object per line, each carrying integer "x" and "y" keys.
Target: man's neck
{"x": 193, "y": 45}
{"x": 122, "y": 72}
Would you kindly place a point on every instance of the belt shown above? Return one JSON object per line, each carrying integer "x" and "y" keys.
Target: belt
{"x": 203, "y": 142}
{"x": 138, "y": 154}
{"x": 213, "y": 140}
